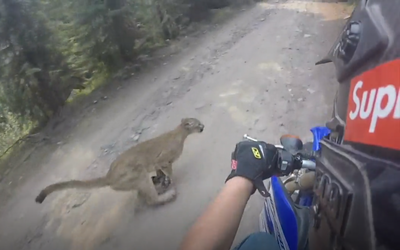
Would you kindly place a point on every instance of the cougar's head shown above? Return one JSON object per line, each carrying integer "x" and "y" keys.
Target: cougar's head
{"x": 192, "y": 125}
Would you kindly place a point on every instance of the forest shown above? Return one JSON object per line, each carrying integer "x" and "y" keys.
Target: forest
{"x": 51, "y": 48}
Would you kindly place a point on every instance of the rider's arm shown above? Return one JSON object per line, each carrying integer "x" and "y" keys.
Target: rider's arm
{"x": 217, "y": 227}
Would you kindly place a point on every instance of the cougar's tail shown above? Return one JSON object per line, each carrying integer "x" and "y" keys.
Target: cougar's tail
{"x": 98, "y": 182}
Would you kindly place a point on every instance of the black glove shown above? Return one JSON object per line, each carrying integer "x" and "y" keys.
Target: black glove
{"x": 255, "y": 161}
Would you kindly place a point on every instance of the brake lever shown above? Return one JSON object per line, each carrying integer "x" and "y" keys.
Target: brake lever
{"x": 247, "y": 137}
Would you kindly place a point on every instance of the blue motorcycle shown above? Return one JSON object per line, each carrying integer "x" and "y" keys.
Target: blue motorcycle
{"x": 286, "y": 214}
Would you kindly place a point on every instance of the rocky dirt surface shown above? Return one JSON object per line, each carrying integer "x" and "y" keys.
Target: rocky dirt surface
{"x": 253, "y": 74}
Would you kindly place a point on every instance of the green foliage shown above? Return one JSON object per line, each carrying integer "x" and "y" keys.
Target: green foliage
{"x": 48, "y": 48}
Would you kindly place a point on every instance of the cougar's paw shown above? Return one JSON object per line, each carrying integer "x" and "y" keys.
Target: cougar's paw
{"x": 173, "y": 193}
{"x": 166, "y": 182}
{"x": 160, "y": 188}
{"x": 157, "y": 179}
{"x": 169, "y": 195}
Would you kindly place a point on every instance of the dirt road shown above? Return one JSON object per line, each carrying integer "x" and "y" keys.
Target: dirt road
{"x": 255, "y": 74}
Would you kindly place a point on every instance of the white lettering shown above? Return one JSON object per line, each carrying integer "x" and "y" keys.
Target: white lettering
{"x": 397, "y": 109}
{"x": 370, "y": 105}
{"x": 353, "y": 114}
{"x": 364, "y": 113}
{"x": 390, "y": 92}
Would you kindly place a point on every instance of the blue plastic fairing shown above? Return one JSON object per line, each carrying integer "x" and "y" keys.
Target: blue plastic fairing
{"x": 318, "y": 134}
{"x": 269, "y": 221}
{"x": 305, "y": 200}
{"x": 285, "y": 213}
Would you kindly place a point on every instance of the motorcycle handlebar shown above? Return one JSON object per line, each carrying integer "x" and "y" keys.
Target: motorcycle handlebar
{"x": 301, "y": 163}
{"x": 307, "y": 164}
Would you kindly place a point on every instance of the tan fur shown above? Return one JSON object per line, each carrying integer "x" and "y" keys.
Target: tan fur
{"x": 131, "y": 170}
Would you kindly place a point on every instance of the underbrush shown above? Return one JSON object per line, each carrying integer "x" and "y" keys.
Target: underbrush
{"x": 54, "y": 52}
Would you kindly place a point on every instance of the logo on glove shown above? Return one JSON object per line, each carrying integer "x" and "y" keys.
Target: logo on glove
{"x": 234, "y": 164}
{"x": 256, "y": 153}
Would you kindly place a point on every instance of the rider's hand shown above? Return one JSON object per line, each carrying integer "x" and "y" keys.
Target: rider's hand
{"x": 255, "y": 161}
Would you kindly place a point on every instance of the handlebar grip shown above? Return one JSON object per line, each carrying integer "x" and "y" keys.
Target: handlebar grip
{"x": 285, "y": 163}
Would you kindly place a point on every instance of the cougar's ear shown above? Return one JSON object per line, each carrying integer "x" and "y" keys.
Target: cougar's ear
{"x": 188, "y": 124}
{"x": 185, "y": 122}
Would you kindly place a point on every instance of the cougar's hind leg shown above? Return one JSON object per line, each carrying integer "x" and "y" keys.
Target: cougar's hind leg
{"x": 148, "y": 191}
{"x": 159, "y": 178}
{"x": 167, "y": 170}
{"x": 159, "y": 182}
